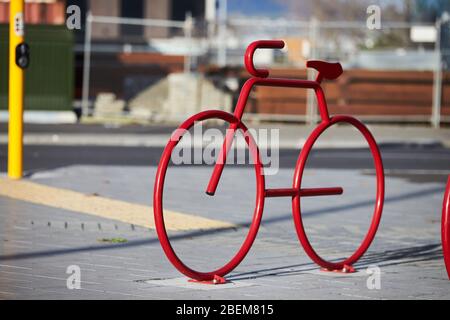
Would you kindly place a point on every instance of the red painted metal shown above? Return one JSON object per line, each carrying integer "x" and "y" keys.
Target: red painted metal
{"x": 216, "y": 280}
{"x": 308, "y": 192}
{"x": 445, "y": 228}
{"x": 345, "y": 269}
{"x": 159, "y": 189}
{"x": 261, "y": 44}
{"x": 221, "y": 160}
{"x": 326, "y": 71}
{"x": 379, "y": 194}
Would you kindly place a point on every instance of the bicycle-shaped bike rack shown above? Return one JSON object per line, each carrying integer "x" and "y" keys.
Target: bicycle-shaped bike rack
{"x": 329, "y": 71}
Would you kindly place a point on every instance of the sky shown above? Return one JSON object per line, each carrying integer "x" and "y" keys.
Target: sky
{"x": 259, "y": 7}
{"x": 274, "y": 8}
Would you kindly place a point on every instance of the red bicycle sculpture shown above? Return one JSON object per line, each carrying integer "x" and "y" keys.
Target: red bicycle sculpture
{"x": 445, "y": 228}
{"x": 329, "y": 71}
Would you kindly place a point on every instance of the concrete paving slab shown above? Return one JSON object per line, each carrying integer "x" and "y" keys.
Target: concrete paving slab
{"x": 38, "y": 243}
{"x": 186, "y": 284}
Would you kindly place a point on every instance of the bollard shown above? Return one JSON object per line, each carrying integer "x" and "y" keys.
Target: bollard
{"x": 18, "y": 60}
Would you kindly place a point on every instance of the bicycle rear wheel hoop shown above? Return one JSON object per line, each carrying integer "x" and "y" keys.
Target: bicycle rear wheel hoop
{"x": 159, "y": 190}
{"x": 445, "y": 228}
{"x": 378, "y": 208}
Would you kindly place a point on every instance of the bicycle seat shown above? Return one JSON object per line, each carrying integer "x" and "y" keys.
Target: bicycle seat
{"x": 327, "y": 70}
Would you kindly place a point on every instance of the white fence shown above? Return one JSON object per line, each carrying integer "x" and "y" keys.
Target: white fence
{"x": 224, "y": 43}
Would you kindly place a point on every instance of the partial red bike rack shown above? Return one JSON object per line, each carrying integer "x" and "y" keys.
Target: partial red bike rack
{"x": 445, "y": 228}
{"x": 325, "y": 70}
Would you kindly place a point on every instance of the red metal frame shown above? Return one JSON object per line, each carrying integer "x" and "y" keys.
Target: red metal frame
{"x": 159, "y": 188}
{"x": 301, "y": 162}
{"x": 325, "y": 71}
{"x": 445, "y": 228}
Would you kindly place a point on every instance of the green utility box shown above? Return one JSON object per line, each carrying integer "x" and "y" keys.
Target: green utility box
{"x": 49, "y": 80}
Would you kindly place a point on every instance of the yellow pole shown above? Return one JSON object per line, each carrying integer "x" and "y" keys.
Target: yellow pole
{"x": 15, "y": 126}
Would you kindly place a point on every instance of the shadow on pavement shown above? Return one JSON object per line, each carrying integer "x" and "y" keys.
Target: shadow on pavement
{"x": 421, "y": 253}
{"x": 385, "y": 256}
{"x": 360, "y": 204}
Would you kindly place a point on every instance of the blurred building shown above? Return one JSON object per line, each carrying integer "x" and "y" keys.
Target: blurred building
{"x": 49, "y": 81}
{"x": 132, "y": 56}
{"x": 38, "y": 11}
{"x": 141, "y": 9}
{"x": 388, "y": 75}
{"x": 54, "y": 12}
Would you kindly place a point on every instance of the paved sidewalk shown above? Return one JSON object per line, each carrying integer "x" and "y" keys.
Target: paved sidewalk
{"x": 39, "y": 243}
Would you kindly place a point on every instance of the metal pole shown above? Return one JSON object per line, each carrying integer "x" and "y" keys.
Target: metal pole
{"x": 138, "y": 21}
{"x": 16, "y": 92}
{"x": 437, "y": 79}
{"x": 188, "y": 25}
{"x": 87, "y": 64}
{"x": 222, "y": 34}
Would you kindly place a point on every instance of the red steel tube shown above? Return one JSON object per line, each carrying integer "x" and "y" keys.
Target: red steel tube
{"x": 260, "y": 44}
{"x": 306, "y": 192}
{"x": 378, "y": 208}
{"x": 296, "y": 192}
{"x": 221, "y": 160}
{"x": 270, "y": 82}
{"x": 159, "y": 189}
{"x": 239, "y": 111}
{"x": 445, "y": 228}
{"x": 314, "y": 192}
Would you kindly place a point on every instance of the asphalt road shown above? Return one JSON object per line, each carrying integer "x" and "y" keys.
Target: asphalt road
{"x": 398, "y": 159}
{"x": 429, "y": 162}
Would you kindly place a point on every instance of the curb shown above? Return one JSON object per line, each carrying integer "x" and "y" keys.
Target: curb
{"x": 160, "y": 140}
{"x": 43, "y": 117}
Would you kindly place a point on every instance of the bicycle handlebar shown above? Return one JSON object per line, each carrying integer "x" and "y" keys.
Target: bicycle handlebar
{"x": 260, "y": 44}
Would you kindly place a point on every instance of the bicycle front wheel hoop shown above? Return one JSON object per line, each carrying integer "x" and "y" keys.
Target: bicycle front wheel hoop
{"x": 378, "y": 208}
{"x": 158, "y": 205}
